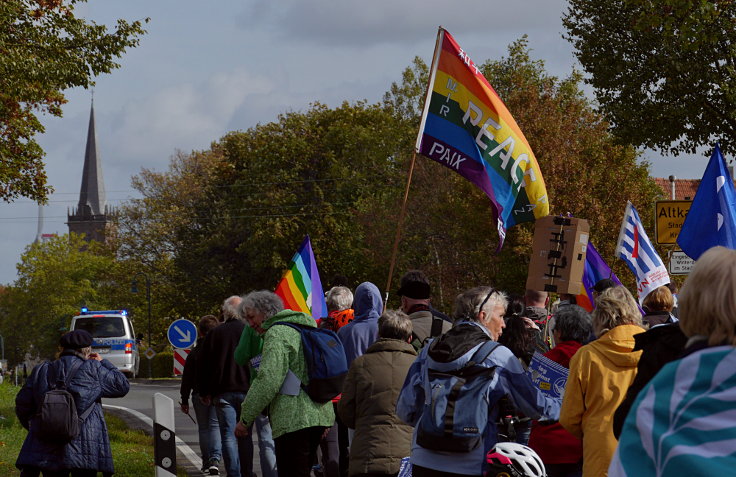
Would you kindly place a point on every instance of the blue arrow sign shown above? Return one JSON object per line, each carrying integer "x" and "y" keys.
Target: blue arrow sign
{"x": 182, "y": 333}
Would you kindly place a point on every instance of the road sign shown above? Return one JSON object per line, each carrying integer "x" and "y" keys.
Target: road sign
{"x": 670, "y": 215}
{"x": 182, "y": 333}
{"x": 180, "y": 358}
{"x": 680, "y": 263}
{"x": 150, "y": 353}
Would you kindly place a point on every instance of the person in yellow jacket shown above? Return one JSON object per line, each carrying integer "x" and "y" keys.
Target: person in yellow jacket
{"x": 600, "y": 374}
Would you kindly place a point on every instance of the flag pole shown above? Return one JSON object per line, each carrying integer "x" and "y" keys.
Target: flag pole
{"x": 399, "y": 225}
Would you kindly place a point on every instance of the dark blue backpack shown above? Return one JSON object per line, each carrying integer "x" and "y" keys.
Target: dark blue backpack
{"x": 326, "y": 361}
{"x": 456, "y": 405}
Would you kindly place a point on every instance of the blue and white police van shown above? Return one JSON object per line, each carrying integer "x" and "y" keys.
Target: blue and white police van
{"x": 113, "y": 337}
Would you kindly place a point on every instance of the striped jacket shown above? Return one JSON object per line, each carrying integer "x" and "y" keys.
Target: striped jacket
{"x": 684, "y": 421}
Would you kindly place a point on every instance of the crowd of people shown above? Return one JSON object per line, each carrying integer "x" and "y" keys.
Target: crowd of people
{"x": 647, "y": 393}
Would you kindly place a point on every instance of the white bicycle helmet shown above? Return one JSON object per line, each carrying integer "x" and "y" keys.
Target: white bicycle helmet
{"x": 514, "y": 460}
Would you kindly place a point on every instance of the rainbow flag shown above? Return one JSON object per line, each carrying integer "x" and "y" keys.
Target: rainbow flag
{"x": 595, "y": 269}
{"x": 300, "y": 288}
{"x": 466, "y": 127}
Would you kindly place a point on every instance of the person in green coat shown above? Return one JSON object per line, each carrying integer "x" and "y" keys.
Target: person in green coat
{"x": 297, "y": 422}
{"x": 249, "y": 352}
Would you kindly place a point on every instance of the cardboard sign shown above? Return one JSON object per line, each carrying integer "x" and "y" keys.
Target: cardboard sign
{"x": 558, "y": 255}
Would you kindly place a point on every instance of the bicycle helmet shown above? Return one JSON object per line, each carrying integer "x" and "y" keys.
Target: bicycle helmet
{"x": 513, "y": 460}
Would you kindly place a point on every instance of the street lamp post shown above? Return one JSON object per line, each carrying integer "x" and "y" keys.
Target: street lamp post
{"x": 134, "y": 289}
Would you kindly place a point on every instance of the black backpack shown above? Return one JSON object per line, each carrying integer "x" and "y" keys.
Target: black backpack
{"x": 57, "y": 420}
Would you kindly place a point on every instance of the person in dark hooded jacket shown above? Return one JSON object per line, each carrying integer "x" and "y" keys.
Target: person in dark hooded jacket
{"x": 362, "y": 332}
{"x": 95, "y": 378}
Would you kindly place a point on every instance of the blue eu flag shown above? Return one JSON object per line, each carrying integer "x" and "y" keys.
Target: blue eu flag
{"x": 711, "y": 220}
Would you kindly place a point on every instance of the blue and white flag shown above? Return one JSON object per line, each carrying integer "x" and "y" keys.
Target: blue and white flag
{"x": 711, "y": 220}
{"x": 637, "y": 251}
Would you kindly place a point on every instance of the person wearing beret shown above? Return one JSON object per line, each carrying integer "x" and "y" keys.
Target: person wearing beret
{"x": 92, "y": 378}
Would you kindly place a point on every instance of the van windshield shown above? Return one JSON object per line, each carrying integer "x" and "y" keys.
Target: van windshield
{"x": 101, "y": 327}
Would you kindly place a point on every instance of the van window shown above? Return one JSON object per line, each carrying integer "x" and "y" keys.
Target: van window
{"x": 101, "y": 327}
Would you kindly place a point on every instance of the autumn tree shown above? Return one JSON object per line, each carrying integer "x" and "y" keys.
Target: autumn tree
{"x": 664, "y": 72}
{"x": 44, "y": 50}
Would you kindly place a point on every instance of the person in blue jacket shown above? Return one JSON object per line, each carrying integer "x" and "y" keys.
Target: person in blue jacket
{"x": 478, "y": 318}
{"x": 89, "y": 452}
{"x": 358, "y": 335}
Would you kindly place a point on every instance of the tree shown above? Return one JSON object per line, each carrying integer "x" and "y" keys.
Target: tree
{"x": 55, "y": 279}
{"x": 44, "y": 50}
{"x": 664, "y": 72}
{"x": 228, "y": 220}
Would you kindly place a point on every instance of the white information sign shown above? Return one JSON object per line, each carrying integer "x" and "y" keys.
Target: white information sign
{"x": 680, "y": 264}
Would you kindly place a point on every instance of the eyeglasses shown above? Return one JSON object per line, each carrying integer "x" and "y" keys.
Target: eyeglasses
{"x": 483, "y": 303}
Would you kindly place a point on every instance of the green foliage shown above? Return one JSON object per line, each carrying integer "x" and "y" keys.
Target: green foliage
{"x": 162, "y": 365}
{"x": 44, "y": 50}
{"x": 663, "y": 71}
{"x": 55, "y": 279}
{"x": 232, "y": 217}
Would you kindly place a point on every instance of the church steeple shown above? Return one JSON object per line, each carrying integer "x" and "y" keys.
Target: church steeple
{"x": 90, "y": 216}
{"x": 92, "y": 193}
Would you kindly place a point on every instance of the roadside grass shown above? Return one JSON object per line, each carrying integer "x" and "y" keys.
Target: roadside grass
{"x": 132, "y": 450}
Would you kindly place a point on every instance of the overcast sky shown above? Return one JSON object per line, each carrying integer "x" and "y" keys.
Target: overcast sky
{"x": 209, "y": 67}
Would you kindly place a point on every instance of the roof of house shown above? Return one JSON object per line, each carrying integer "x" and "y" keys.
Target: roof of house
{"x": 685, "y": 189}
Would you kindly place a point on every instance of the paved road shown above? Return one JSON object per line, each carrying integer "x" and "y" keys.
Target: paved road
{"x": 140, "y": 398}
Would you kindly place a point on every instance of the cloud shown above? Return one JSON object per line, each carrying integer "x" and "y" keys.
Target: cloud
{"x": 348, "y": 23}
{"x": 184, "y": 115}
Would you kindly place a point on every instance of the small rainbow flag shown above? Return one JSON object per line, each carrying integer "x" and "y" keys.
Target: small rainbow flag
{"x": 466, "y": 127}
{"x": 300, "y": 288}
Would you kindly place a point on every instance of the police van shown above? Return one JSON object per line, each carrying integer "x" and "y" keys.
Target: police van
{"x": 113, "y": 337}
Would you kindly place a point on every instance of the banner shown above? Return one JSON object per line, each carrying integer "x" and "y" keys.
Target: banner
{"x": 466, "y": 127}
{"x": 637, "y": 251}
{"x": 300, "y": 288}
{"x": 548, "y": 376}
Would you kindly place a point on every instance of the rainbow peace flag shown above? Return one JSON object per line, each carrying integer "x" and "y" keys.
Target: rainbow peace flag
{"x": 466, "y": 127}
{"x": 300, "y": 288}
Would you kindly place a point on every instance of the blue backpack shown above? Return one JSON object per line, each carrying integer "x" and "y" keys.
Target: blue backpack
{"x": 456, "y": 405}
{"x": 327, "y": 365}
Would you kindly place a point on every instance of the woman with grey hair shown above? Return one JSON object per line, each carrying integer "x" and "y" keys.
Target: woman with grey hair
{"x": 369, "y": 395}
{"x": 562, "y": 452}
{"x": 600, "y": 374}
{"x": 478, "y": 324}
{"x": 339, "y": 308}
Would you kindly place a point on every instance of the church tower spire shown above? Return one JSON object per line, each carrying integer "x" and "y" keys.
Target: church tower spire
{"x": 91, "y": 215}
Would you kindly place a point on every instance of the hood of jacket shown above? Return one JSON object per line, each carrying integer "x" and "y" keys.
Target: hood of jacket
{"x": 458, "y": 340}
{"x": 290, "y": 316}
{"x": 617, "y": 345}
{"x": 367, "y": 302}
{"x": 667, "y": 336}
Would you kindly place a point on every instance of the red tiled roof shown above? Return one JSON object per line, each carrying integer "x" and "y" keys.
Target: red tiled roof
{"x": 685, "y": 189}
